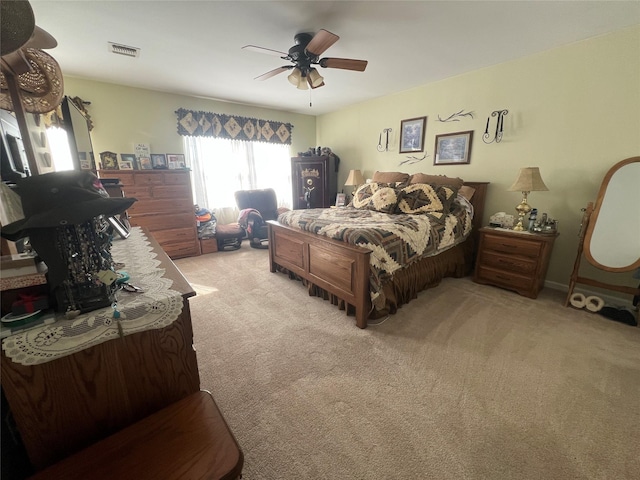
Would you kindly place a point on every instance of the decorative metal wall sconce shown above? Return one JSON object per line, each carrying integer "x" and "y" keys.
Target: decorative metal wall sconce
{"x": 486, "y": 138}
{"x": 386, "y": 132}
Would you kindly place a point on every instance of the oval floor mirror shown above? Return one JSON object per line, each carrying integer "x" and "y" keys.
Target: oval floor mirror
{"x": 610, "y": 232}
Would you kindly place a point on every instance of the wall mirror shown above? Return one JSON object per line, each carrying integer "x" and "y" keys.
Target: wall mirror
{"x": 610, "y": 233}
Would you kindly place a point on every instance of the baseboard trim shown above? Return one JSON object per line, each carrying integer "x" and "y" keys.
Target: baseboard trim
{"x": 609, "y": 299}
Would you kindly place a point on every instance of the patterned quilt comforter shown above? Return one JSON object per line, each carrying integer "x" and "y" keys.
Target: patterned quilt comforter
{"x": 395, "y": 240}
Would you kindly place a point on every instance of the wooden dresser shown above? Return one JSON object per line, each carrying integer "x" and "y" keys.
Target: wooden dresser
{"x": 63, "y": 405}
{"x": 164, "y": 207}
{"x": 512, "y": 260}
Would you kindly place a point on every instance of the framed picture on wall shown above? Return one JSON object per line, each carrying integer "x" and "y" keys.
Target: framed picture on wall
{"x": 453, "y": 148}
{"x": 412, "y": 134}
{"x": 158, "y": 161}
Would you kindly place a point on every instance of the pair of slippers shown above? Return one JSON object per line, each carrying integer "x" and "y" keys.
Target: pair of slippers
{"x": 592, "y": 303}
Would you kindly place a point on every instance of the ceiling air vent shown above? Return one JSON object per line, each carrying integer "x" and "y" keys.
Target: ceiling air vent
{"x": 124, "y": 50}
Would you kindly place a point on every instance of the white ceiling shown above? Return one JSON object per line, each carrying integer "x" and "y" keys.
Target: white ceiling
{"x": 194, "y": 47}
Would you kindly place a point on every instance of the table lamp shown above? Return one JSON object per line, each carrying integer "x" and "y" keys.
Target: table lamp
{"x": 529, "y": 180}
{"x": 354, "y": 179}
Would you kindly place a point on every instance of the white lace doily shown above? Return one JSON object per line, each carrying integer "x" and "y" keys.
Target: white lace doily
{"x": 156, "y": 307}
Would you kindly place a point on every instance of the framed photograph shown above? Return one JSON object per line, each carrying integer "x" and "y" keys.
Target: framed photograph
{"x": 341, "y": 200}
{"x": 119, "y": 227}
{"x": 412, "y": 134}
{"x": 127, "y": 161}
{"x": 158, "y": 161}
{"x": 144, "y": 163}
{"x": 453, "y": 148}
{"x": 109, "y": 160}
{"x": 176, "y": 160}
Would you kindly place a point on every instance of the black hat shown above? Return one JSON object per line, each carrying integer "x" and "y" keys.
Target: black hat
{"x": 62, "y": 198}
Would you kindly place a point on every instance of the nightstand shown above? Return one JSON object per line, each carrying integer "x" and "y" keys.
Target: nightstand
{"x": 513, "y": 260}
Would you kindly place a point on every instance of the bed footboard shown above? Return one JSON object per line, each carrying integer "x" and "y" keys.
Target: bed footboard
{"x": 339, "y": 268}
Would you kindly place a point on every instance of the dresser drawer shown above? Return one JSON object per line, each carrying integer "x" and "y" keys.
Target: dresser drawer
{"x": 504, "y": 279}
{"x": 503, "y": 244}
{"x": 141, "y": 193}
{"x": 182, "y": 249}
{"x": 160, "y": 206}
{"x": 513, "y": 263}
{"x": 173, "y": 191}
{"x": 177, "y": 178}
{"x": 175, "y": 235}
{"x": 148, "y": 179}
{"x": 161, "y": 222}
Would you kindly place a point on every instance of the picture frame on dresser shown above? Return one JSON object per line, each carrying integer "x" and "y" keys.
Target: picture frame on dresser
{"x": 127, "y": 161}
{"x": 453, "y": 148}
{"x": 109, "y": 160}
{"x": 144, "y": 163}
{"x": 175, "y": 161}
{"x": 159, "y": 161}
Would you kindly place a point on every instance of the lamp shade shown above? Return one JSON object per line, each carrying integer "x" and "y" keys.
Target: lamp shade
{"x": 529, "y": 180}
{"x": 355, "y": 178}
{"x": 295, "y": 76}
{"x": 315, "y": 79}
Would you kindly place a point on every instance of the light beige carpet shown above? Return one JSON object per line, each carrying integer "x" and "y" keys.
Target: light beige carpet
{"x": 465, "y": 382}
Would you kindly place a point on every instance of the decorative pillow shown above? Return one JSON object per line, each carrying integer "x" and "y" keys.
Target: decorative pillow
{"x": 436, "y": 180}
{"x": 390, "y": 177}
{"x": 425, "y": 198}
{"x": 381, "y": 197}
{"x": 467, "y": 192}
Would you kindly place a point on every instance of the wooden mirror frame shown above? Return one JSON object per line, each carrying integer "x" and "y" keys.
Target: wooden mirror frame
{"x": 615, "y": 208}
{"x": 586, "y": 234}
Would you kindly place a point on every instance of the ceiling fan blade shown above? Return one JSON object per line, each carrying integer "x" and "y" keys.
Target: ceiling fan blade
{"x": 268, "y": 51}
{"x": 344, "y": 63}
{"x": 273, "y": 73}
{"x": 321, "y": 41}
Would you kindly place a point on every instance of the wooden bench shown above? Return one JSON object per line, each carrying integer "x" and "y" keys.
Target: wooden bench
{"x": 188, "y": 439}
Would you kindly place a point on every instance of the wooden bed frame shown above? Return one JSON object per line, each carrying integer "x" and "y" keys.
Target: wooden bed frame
{"x": 338, "y": 267}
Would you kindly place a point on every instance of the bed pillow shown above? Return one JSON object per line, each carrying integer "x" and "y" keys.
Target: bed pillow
{"x": 381, "y": 197}
{"x": 436, "y": 180}
{"x": 467, "y": 192}
{"x": 390, "y": 177}
{"x": 425, "y": 198}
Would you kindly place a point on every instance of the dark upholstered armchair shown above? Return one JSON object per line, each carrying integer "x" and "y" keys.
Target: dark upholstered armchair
{"x": 256, "y": 207}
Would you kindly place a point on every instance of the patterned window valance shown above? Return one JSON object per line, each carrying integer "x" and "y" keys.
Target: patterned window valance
{"x": 207, "y": 124}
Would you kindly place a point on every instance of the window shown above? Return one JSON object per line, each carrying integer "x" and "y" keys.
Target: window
{"x": 221, "y": 166}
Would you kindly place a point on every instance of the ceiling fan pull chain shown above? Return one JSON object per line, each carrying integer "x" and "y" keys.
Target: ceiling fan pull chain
{"x": 310, "y": 104}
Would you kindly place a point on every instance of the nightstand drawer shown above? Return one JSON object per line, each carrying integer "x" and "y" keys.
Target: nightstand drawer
{"x": 504, "y": 279}
{"x": 519, "y": 246}
{"x": 513, "y": 263}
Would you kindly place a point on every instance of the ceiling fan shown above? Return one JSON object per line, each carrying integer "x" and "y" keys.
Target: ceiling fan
{"x": 304, "y": 55}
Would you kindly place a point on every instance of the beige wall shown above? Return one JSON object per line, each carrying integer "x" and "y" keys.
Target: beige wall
{"x": 124, "y": 116}
{"x": 573, "y": 111}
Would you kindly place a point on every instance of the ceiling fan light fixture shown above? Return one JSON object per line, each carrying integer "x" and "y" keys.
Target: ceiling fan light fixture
{"x": 315, "y": 79}
{"x": 303, "y": 84}
{"x": 295, "y": 76}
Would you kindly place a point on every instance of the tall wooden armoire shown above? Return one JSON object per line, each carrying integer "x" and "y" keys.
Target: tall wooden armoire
{"x": 315, "y": 181}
